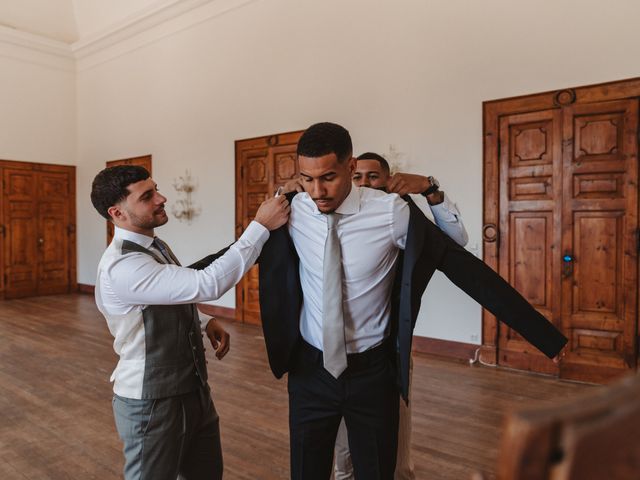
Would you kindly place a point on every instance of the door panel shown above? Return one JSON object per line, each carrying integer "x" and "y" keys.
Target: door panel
{"x": 599, "y": 233}
{"x": 262, "y": 165}
{"x": 258, "y": 183}
{"x": 20, "y": 246}
{"x": 530, "y": 180}
{"x": 54, "y": 230}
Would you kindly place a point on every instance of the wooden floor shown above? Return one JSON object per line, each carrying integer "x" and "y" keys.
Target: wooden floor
{"x": 55, "y": 401}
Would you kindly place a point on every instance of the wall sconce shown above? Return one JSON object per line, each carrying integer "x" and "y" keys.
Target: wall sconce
{"x": 396, "y": 160}
{"x": 184, "y": 209}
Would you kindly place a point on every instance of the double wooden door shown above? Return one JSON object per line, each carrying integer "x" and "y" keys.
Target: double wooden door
{"x": 561, "y": 215}
{"x": 38, "y": 227}
{"x": 262, "y": 165}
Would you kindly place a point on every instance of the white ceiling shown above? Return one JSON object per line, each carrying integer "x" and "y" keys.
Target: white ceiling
{"x": 71, "y": 20}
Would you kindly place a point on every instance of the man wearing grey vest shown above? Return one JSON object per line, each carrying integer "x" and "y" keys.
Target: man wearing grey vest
{"x": 162, "y": 403}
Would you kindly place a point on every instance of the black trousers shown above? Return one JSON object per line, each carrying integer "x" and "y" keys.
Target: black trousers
{"x": 366, "y": 396}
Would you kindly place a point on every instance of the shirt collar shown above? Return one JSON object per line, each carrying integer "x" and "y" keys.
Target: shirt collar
{"x": 349, "y": 206}
{"x": 142, "y": 240}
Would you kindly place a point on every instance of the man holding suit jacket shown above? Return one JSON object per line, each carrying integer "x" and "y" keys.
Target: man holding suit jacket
{"x": 340, "y": 290}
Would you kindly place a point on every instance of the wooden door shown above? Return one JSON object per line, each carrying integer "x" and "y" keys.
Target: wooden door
{"x": 599, "y": 238}
{"x": 561, "y": 224}
{"x": 20, "y": 208}
{"x": 530, "y": 216}
{"x": 38, "y": 209}
{"x": 144, "y": 161}
{"x": 56, "y": 231}
{"x": 262, "y": 165}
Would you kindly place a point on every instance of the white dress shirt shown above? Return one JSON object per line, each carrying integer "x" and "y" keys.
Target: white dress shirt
{"x": 128, "y": 282}
{"x": 372, "y": 228}
{"x": 446, "y": 216}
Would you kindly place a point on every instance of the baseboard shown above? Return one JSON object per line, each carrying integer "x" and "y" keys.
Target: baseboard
{"x": 87, "y": 289}
{"x": 444, "y": 348}
{"x": 217, "y": 311}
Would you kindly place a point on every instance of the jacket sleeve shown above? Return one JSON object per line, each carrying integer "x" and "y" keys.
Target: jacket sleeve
{"x": 208, "y": 260}
{"x": 491, "y": 291}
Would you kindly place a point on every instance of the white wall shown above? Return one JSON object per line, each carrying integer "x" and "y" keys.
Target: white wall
{"x": 408, "y": 73}
{"x": 37, "y": 102}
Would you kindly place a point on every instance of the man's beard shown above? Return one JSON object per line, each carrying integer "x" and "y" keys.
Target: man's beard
{"x": 147, "y": 223}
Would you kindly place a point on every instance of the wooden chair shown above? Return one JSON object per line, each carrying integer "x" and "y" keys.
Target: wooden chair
{"x": 593, "y": 437}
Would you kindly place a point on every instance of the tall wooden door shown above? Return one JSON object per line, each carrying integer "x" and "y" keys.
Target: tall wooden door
{"x": 38, "y": 210}
{"x": 600, "y": 238}
{"x": 530, "y": 218}
{"x": 561, "y": 225}
{"x": 262, "y": 165}
{"x": 143, "y": 161}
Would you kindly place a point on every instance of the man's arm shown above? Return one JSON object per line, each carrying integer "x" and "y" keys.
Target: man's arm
{"x": 445, "y": 213}
{"x": 490, "y": 290}
{"x": 208, "y": 260}
{"x": 137, "y": 279}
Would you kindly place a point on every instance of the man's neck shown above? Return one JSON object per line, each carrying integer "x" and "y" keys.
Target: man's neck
{"x": 140, "y": 231}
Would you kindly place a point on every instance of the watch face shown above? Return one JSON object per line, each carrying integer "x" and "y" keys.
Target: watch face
{"x": 434, "y": 182}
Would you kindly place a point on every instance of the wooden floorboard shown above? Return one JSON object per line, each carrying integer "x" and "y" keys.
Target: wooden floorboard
{"x": 55, "y": 401}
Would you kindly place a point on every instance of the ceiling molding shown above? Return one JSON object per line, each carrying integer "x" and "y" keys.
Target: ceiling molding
{"x": 172, "y": 15}
{"x": 164, "y": 18}
{"x": 35, "y": 42}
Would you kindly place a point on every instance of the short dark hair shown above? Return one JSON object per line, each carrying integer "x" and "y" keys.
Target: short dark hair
{"x": 374, "y": 156}
{"x": 323, "y": 139}
{"x": 111, "y": 186}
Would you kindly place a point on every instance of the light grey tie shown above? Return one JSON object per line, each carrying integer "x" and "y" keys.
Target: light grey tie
{"x": 333, "y": 341}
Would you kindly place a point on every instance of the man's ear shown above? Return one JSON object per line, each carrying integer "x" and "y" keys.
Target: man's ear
{"x": 116, "y": 213}
{"x": 352, "y": 165}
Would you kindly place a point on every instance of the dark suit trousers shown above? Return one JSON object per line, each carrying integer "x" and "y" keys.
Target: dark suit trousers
{"x": 366, "y": 396}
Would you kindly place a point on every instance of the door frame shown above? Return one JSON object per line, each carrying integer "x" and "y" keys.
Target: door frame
{"x": 492, "y": 111}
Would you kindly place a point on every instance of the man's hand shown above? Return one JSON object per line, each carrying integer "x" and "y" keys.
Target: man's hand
{"x": 273, "y": 213}
{"x": 404, "y": 183}
{"x": 219, "y": 338}
{"x": 560, "y": 355}
{"x": 293, "y": 185}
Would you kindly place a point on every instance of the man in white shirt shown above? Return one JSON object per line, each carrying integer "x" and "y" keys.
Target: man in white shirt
{"x": 162, "y": 404}
{"x": 372, "y": 227}
{"x": 372, "y": 171}
{"x": 346, "y": 341}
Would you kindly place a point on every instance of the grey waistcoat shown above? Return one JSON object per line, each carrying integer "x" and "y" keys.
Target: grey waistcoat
{"x": 174, "y": 356}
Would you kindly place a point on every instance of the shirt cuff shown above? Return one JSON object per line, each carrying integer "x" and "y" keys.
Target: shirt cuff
{"x": 204, "y": 320}
{"x": 255, "y": 233}
{"x": 445, "y": 211}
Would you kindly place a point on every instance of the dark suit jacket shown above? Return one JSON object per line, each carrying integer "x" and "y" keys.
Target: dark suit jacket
{"x": 427, "y": 249}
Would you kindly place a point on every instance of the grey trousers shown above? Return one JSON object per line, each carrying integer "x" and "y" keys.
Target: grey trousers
{"x": 170, "y": 438}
